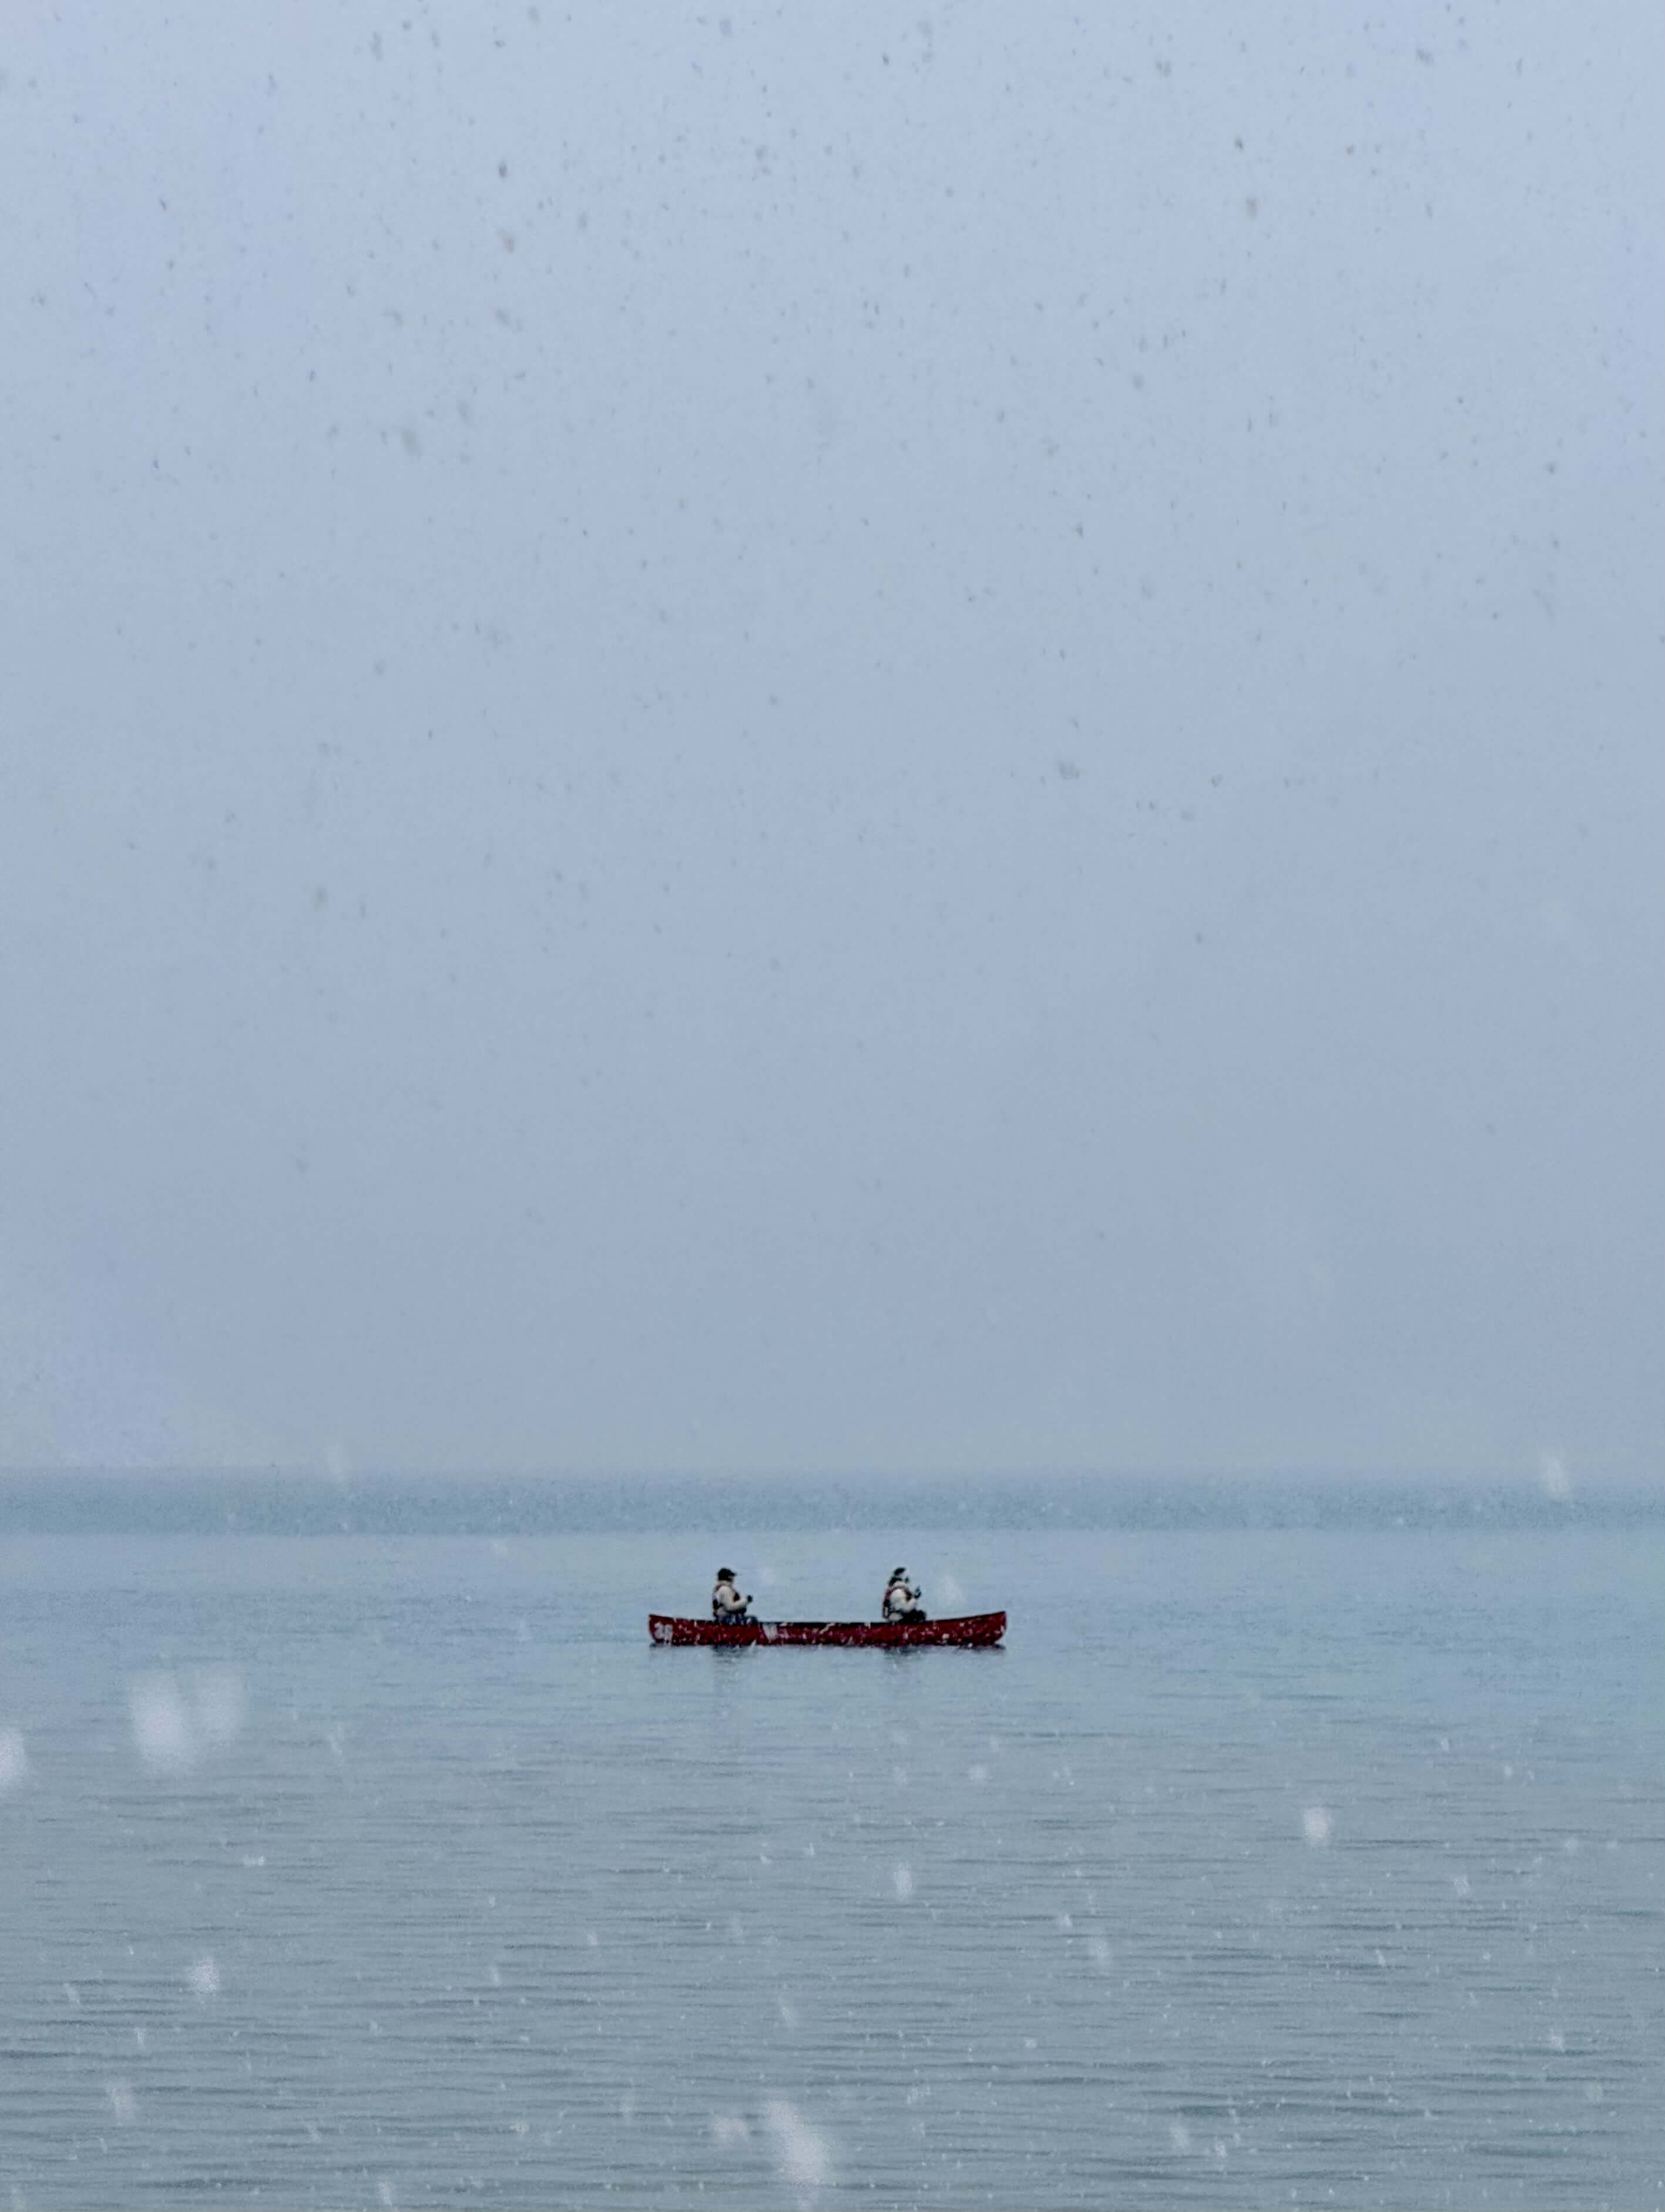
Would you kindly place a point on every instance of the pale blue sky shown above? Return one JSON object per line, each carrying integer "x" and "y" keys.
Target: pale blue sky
{"x": 831, "y": 737}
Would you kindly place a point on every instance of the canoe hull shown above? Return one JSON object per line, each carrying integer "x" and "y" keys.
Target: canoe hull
{"x": 972, "y": 1630}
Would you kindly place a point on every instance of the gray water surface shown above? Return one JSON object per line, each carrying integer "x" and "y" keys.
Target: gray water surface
{"x": 1262, "y": 1867}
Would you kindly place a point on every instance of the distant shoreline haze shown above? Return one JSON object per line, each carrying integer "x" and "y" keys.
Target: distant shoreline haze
{"x": 197, "y": 1502}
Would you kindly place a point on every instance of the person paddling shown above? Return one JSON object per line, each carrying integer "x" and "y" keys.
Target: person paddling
{"x": 902, "y": 1598}
{"x": 726, "y": 1602}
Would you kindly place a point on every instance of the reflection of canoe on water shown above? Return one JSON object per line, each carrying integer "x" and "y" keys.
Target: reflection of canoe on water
{"x": 970, "y": 1628}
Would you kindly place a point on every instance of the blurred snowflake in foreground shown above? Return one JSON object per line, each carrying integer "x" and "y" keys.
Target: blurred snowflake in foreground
{"x": 13, "y": 1760}
{"x": 802, "y": 2155}
{"x": 174, "y": 1724}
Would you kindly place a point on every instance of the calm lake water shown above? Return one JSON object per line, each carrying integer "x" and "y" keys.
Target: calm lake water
{"x": 1263, "y": 1867}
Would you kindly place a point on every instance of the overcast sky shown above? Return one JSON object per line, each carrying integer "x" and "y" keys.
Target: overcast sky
{"x": 831, "y": 736}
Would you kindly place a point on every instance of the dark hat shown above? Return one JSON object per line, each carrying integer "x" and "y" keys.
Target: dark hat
{"x": 896, "y": 1573}
{"x": 724, "y": 1574}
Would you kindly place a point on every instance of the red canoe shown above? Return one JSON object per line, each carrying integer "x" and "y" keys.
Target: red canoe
{"x": 971, "y": 1628}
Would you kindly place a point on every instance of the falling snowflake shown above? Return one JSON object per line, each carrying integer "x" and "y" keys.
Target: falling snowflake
{"x": 13, "y": 1760}
{"x": 803, "y": 2157}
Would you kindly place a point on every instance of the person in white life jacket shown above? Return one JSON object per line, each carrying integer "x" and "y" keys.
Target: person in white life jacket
{"x": 902, "y": 1598}
{"x": 726, "y": 1602}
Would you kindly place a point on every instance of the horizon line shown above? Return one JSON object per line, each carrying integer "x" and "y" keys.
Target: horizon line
{"x": 1546, "y": 1473}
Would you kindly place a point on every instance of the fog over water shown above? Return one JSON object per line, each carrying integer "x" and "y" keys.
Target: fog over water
{"x": 802, "y": 740}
